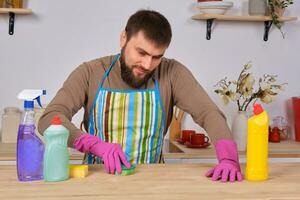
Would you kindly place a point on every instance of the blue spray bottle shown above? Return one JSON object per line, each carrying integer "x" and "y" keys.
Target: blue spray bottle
{"x": 30, "y": 148}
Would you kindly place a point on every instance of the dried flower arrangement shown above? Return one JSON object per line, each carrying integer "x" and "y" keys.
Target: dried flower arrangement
{"x": 242, "y": 91}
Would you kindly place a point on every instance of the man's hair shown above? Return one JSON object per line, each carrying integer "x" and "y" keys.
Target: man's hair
{"x": 154, "y": 25}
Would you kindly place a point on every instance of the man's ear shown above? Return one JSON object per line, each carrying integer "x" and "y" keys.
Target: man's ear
{"x": 123, "y": 39}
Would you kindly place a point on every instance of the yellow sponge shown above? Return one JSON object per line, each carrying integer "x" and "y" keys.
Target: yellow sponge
{"x": 78, "y": 171}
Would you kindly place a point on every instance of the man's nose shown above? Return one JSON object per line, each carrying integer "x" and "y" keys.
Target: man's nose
{"x": 147, "y": 61}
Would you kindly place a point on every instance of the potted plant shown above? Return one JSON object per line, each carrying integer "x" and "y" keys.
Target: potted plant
{"x": 276, "y": 9}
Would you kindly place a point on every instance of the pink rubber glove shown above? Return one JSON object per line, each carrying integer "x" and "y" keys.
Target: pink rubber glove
{"x": 228, "y": 167}
{"x": 111, "y": 154}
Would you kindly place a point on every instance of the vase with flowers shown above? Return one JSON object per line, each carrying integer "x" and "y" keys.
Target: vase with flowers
{"x": 243, "y": 92}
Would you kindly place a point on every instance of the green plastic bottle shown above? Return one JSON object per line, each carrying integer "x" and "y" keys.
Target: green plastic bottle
{"x": 56, "y": 157}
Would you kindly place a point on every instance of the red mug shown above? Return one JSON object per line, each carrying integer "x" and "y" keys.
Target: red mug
{"x": 199, "y": 139}
{"x": 186, "y": 135}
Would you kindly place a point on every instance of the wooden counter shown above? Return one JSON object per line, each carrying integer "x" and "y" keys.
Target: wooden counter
{"x": 170, "y": 181}
{"x": 284, "y": 149}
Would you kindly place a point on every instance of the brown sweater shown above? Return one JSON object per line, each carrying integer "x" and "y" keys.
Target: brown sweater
{"x": 177, "y": 87}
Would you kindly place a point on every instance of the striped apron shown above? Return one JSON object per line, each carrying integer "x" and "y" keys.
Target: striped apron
{"x": 132, "y": 118}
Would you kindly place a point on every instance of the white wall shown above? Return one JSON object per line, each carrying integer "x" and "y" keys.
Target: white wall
{"x": 61, "y": 34}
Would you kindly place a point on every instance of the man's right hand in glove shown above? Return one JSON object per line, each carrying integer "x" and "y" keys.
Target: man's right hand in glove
{"x": 111, "y": 154}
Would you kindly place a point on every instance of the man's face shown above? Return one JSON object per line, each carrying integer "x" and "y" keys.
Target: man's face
{"x": 139, "y": 58}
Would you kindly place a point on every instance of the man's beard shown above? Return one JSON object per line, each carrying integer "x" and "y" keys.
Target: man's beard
{"x": 128, "y": 76}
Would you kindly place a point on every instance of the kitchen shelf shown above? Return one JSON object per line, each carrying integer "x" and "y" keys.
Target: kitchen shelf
{"x": 266, "y": 19}
{"x": 12, "y": 12}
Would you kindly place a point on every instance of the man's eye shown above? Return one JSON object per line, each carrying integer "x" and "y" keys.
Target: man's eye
{"x": 142, "y": 53}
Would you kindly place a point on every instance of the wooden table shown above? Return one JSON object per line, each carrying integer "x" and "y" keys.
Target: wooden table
{"x": 169, "y": 181}
{"x": 284, "y": 149}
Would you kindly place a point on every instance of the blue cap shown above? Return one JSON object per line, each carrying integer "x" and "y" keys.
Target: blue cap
{"x": 28, "y": 104}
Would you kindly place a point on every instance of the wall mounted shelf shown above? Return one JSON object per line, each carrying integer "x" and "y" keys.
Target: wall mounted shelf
{"x": 211, "y": 17}
{"x": 12, "y": 12}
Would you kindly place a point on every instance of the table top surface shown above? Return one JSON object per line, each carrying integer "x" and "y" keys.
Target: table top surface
{"x": 156, "y": 181}
{"x": 284, "y": 149}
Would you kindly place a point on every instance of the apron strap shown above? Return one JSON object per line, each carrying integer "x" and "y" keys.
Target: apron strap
{"x": 109, "y": 69}
{"x": 156, "y": 83}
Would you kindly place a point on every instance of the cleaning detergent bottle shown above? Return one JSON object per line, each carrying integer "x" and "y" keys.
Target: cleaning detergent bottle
{"x": 56, "y": 158}
{"x": 257, "y": 145}
{"x": 30, "y": 148}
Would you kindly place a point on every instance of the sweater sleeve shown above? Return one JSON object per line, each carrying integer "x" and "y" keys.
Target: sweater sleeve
{"x": 192, "y": 98}
{"x": 66, "y": 103}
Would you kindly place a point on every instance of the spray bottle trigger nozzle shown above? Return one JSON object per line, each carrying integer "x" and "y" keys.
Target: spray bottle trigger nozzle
{"x": 38, "y": 99}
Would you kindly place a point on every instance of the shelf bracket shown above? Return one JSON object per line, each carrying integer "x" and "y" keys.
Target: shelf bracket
{"x": 268, "y": 25}
{"x": 209, "y": 23}
{"x": 11, "y": 23}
